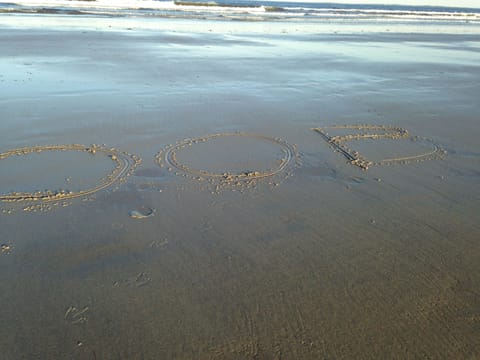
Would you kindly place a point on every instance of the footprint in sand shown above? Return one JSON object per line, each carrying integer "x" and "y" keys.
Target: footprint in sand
{"x": 73, "y": 315}
{"x": 138, "y": 280}
{"x": 5, "y": 249}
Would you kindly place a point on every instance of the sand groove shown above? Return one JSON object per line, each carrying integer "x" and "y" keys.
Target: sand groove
{"x": 384, "y": 132}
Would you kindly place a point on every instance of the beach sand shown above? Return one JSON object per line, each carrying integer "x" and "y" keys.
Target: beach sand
{"x": 323, "y": 260}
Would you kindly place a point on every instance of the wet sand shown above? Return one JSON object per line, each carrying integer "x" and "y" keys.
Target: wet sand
{"x": 324, "y": 261}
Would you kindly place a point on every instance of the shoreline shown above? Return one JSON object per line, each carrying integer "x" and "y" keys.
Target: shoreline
{"x": 222, "y": 26}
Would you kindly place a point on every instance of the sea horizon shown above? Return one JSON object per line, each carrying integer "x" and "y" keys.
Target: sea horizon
{"x": 247, "y": 10}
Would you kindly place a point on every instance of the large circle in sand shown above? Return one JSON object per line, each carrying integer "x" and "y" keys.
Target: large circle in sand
{"x": 230, "y": 156}
{"x": 121, "y": 163}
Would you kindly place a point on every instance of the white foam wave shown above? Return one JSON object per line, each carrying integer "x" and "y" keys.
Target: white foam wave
{"x": 260, "y": 12}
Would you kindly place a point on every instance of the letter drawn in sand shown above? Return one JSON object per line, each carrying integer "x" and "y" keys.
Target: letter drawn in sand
{"x": 125, "y": 164}
{"x": 337, "y": 143}
{"x": 228, "y": 178}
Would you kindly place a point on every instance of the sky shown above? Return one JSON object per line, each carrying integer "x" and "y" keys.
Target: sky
{"x": 451, "y": 3}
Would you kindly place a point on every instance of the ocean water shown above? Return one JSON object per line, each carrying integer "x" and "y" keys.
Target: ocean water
{"x": 322, "y": 260}
{"x": 246, "y": 10}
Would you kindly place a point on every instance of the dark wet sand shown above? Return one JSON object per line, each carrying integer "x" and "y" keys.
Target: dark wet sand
{"x": 333, "y": 263}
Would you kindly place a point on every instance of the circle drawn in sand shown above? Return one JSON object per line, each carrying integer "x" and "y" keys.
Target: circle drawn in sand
{"x": 169, "y": 156}
{"x": 376, "y": 132}
{"x": 124, "y": 165}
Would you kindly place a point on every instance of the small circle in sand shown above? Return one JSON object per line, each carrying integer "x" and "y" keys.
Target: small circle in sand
{"x": 228, "y": 158}
{"x": 124, "y": 165}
